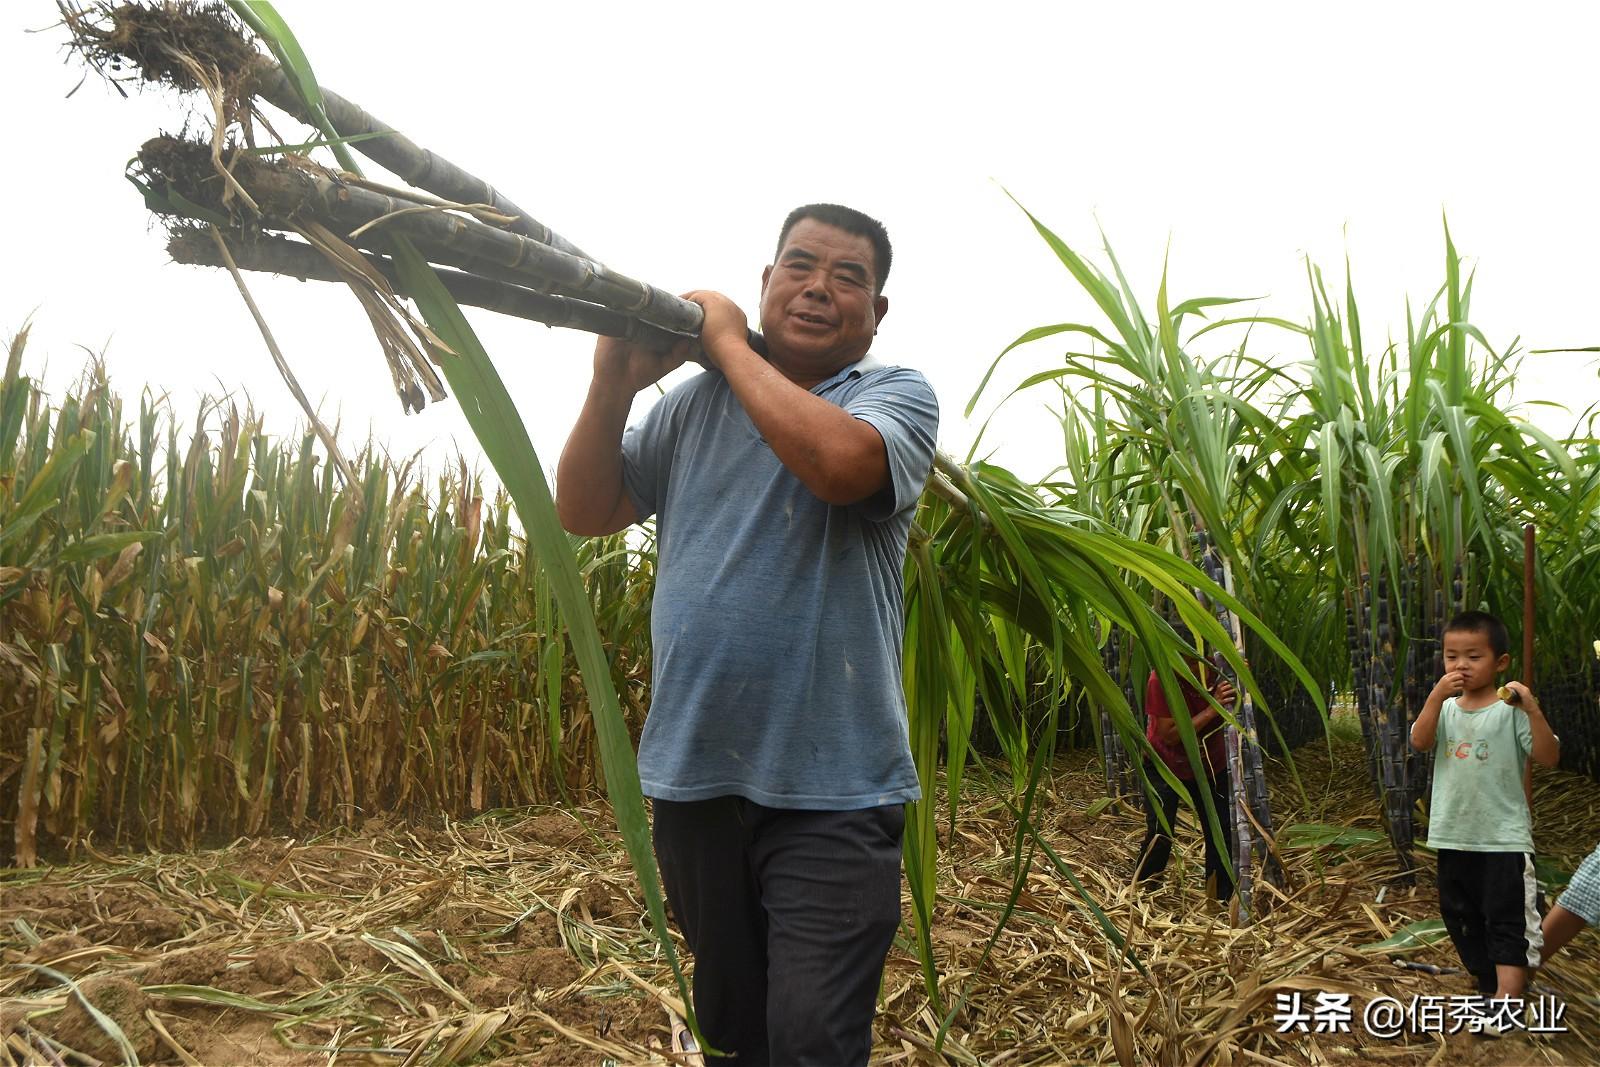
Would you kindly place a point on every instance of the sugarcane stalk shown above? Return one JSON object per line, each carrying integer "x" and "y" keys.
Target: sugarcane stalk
{"x": 1127, "y": 779}
{"x": 1238, "y": 799}
{"x": 1127, "y": 785}
{"x": 400, "y": 155}
{"x": 1114, "y": 754}
{"x": 1248, "y": 802}
{"x": 285, "y": 194}
{"x": 1391, "y": 723}
{"x": 1238, "y": 806}
{"x": 1255, "y": 776}
{"x": 1422, "y": 781}
{"x": 277, "y": 255}
{"x": 1359, "y": 618}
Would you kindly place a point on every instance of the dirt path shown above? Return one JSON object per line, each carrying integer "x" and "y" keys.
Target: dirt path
{"x": 518, "y": 938}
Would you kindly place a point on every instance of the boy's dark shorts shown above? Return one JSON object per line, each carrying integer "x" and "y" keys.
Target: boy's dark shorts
{"x": 1490, "y": 903}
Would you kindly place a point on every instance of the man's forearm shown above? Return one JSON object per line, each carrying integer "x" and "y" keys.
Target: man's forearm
{"x": 589, "y": 490}
{"x": 837, "y": 456}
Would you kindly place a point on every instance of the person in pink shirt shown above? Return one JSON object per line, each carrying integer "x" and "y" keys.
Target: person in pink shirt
{"x": 1162, "y": 732}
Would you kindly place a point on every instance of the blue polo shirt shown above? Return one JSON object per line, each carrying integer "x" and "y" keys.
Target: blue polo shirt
{"x": 778, "y": 618}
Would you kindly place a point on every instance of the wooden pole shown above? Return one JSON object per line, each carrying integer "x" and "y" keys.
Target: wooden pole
{"x": 1527, "y": 646}
{"x": 1527, "y": 605}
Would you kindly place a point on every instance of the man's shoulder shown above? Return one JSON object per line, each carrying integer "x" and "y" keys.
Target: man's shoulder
{"x": 875, "y": 372}
{"x": 903, "y": 386}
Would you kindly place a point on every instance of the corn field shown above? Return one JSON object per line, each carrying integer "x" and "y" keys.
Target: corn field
{"x": 200, "y": 638}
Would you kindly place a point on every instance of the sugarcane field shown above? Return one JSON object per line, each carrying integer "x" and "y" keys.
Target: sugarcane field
{"x": 534, "y": 660}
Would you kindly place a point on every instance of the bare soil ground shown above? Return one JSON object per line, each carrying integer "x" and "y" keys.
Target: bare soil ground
{"x": 519, "y": 937}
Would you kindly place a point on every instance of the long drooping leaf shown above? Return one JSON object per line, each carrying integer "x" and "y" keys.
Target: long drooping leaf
{"x": 500, "y": 430}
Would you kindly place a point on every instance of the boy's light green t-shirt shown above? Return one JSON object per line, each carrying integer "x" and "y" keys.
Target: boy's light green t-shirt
{"x": 1478, "y": 760}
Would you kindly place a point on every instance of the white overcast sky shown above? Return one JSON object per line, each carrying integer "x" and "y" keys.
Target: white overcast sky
{"x": 670, "y": 140}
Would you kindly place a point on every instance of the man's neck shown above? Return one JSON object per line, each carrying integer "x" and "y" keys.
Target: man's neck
{"x": 809, "y": 378}
{"x": 808, "y": 375}
{"x": 1477, "y": 699}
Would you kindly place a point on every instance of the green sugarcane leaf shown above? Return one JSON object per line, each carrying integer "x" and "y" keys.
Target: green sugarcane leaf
{"x": 1558, "y": 454}
{"x": 182, "y": 205}
{"x": 1326, "y": 835}
{"x": 312, "y": 145}
{"x": 1410, "y": 938}
{"x": 1035, "y": 334}
{"x": 1091, "y": 279}
{"x": 1098, "y": 807}
{"x": 172, "y": 202}
{"x": 264, "y": 19}
{"x": 1197, "y": 305}
{"x": 504, "y": 436}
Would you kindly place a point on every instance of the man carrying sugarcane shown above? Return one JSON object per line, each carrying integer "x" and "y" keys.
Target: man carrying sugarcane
{"x": 776, "y": 748}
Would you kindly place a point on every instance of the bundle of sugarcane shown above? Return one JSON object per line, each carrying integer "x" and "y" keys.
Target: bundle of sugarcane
{"x": 241, "y": 206}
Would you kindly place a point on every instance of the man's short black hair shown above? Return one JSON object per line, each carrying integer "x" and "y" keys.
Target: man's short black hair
{"x": 1481, "y": 622}
{"x": 849, "y": 220}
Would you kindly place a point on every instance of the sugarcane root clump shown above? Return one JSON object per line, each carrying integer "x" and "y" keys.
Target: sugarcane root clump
{"x": 155, "y": 39}
{"x": 282, "y": 191}
{"x": 170, "y": 164}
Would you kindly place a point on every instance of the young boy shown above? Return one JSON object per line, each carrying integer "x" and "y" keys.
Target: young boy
{"x": 1478, "y": 820}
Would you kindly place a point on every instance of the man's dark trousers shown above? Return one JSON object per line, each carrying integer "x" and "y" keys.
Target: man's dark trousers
{"x": 789, "y": 915}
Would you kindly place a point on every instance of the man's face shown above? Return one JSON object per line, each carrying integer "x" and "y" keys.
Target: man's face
{"x": 1470, "y": 653}
{"x": 819, "y": 302}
